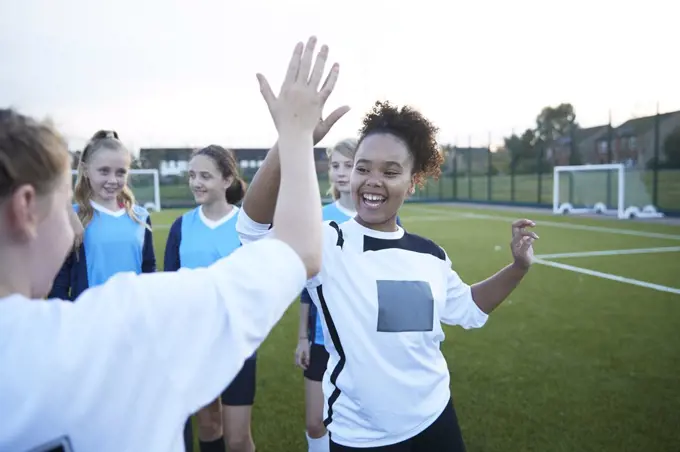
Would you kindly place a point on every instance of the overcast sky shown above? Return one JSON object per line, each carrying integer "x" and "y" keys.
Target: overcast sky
{"x": 182, "y": 72}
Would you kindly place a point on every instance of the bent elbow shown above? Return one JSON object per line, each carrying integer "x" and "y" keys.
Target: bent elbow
{"x": 312, "y": 264}
{"x": 309, "y": 254}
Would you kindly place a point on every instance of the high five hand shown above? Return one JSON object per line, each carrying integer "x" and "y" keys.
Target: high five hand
{"x": 522, "y": 243}
{"x": 300, "y": 102}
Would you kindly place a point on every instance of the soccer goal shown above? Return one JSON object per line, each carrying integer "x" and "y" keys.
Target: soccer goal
{"x": 606, "y": 189}
{"x": 145, "y": 184}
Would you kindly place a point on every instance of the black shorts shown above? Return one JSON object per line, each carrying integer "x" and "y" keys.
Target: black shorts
{"x": 442, "y": 436}
{"x": 318, "y": 359}
{"x": 241, "y": 391}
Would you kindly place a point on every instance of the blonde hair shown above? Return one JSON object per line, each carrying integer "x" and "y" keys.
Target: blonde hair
{"x": 31, "y": 152}
{"x": 82, "y": 193}
{"x": 347, "y": 148}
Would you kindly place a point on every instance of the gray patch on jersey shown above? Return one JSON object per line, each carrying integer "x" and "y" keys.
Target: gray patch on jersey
{"x": 405, "y": 306}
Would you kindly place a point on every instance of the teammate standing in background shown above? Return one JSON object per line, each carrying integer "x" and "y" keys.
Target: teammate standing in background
{"x": 117, "y": 232}
{"x": 384, "y": 294}
{"x": 124, "y": 366}
{"x": 197, "y": 239}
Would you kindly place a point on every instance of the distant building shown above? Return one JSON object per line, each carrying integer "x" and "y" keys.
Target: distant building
{"x": 632, "y": 142}
{"x": 173, "y": 162}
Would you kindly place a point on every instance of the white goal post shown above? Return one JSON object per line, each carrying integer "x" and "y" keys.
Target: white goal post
{"x": 621, "y": 210}
{"x": 148, "y": 204}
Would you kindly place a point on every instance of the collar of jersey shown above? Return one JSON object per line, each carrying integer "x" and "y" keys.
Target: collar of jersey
{"x": 212, "y": 224}
{"x": 399, "y": 233}
{"x": 102, "y": 209}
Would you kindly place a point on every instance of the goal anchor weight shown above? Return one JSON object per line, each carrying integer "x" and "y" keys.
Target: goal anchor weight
{"x": 599, "y": 207}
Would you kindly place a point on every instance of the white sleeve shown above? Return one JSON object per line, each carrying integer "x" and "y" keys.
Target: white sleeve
{"x": 460, "y": 308}
{"x": 250, "y": 231}
{"x": 192, "y": 330}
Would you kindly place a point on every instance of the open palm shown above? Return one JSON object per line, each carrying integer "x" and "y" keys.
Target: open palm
{"x": 300, "y": 102}
{"x": 522, "y": 242}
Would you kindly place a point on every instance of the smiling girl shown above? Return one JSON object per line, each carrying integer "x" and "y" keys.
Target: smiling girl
{"x": 310, "y": 353}
{"x": 384, "y": 294}
{"x": 197, "y": 239}
{"x": 117, "y": 232}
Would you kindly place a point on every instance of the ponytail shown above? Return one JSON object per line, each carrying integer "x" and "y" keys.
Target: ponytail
{"x": 236, "y": 191}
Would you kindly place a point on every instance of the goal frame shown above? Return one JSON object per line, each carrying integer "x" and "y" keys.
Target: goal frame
{"x": 622, "y": 212}
{"x": 156, "y": 204}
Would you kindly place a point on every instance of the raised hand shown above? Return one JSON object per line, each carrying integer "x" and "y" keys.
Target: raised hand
{"x": 299, "y": 105}
{"x": 522, "y": 243}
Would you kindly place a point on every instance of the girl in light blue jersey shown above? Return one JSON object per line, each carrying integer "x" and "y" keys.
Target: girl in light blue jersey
{"x": 197, "y": 239}
{"x": 117, "y": 232}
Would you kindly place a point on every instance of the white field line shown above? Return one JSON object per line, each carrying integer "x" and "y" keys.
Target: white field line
{"x": 609, "y": 276}
{"x": 582, "y": 227}
{"x": 667, "y": 249}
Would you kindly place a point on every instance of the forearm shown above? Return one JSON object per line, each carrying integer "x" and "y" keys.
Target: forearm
{"x": 298, "y": 219}
{"x": 304, "y": 319}
{"x": 260, "y": 199}
{"x": 491, "y": 292}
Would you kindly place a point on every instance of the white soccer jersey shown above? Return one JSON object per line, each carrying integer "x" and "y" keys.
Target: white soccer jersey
{"x": 123, "y": 367}
{"x": 383, "y": 296}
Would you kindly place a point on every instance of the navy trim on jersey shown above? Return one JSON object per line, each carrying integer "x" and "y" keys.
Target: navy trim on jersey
{"x": 335, "y": 338}
{"x": 341, "y": 239}
{"x": 72, "y": 279}
{"x": 311, "y": 318}
{"x": 409, "y": 242}
{"x": 306, "y": 299}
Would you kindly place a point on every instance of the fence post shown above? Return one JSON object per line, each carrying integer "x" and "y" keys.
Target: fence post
{"x": 610, "y": 131}
{"x": 657, "y": 146}
{"x": 512, "y": 178}
{"x": 469, "y": 171}
{"x": 455, "y": 173}
{"x": 488, "y": 171}
{"x": 539, "y": 168}
{"x": 440, "y": 182}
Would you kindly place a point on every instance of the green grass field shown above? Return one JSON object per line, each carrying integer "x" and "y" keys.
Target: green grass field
{"x": 570, "y": 362}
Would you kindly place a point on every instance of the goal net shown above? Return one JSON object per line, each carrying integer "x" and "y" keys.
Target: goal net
{"x": 602, "y": 189}
{"x": 145, "y": 184}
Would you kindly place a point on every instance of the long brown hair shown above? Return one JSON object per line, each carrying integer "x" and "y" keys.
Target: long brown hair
{"x": 31, "y": 152}
{"x": 226, "y": 163}
{"x": 82, "y": 193}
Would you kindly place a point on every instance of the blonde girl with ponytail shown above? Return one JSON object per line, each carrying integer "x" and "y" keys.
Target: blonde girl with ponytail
{"x": 117, "y": 232}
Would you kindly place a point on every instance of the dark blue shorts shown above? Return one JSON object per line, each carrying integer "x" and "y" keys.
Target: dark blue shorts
{"x": 318, "y": 360}
{"x": 241, "y": 391}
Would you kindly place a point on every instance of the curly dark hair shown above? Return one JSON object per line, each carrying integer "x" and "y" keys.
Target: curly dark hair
{"x": 415, "y": 130}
